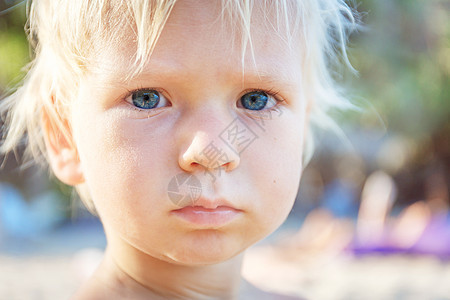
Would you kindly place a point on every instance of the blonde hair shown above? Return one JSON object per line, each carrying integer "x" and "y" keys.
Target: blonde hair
{"x": 65, "y": 35}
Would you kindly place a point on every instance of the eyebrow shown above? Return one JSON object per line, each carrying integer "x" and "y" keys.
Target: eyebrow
{"x": 247, "y": 76}
{"x": 266, "y": 75}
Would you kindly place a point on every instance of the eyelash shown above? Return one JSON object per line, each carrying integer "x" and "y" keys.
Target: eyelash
{"x": 140, "y": 89}
{"x": 273, "y": 93}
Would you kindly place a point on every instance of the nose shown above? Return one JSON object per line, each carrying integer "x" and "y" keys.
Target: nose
{"x": 206, "y": 150}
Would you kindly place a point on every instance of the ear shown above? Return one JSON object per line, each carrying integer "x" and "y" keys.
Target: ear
{"x": 61, "y": 149}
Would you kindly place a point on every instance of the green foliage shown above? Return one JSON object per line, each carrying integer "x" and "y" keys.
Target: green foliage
{"x": 13, "y": 57}
{"x": 14, "y": 50}
{"x": 404, "y": 62}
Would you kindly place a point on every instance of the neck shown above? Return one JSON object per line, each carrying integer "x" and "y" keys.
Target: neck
{"x": 137, "y": 274}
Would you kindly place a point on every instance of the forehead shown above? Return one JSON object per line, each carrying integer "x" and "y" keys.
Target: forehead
{"x": 198, "y": 36}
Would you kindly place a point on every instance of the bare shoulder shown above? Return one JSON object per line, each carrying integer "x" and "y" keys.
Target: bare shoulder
{"x": 95, "y": 289}
{"x": 91, "y": 290}
{"x": 250, "y": 291}
{"x": 98, "y": 287}
{"x": 274, "y": 296}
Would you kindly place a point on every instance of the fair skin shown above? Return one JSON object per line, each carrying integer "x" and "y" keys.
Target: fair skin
{"x": 127, "y": 156}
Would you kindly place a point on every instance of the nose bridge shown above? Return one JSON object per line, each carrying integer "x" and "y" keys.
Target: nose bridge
{"x": 202, "y": 139}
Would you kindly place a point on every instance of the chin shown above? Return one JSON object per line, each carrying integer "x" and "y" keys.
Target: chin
{"x": 205, "y": 248}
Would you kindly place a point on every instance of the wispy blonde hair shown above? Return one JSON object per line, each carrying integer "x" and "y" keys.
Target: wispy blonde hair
{"x": 65, "y": 35}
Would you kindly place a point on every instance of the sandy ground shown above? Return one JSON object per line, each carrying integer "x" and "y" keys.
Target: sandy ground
{"x": 373, "y": 277}
{"x": 52, "y": 268}
{"x": 348, "y": 277}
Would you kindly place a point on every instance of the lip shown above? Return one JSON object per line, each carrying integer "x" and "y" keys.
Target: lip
{"x": 208, "y": 213}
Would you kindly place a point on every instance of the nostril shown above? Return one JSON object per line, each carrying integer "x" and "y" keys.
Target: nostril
{"x": 227, "y": 166}
{"x": 194, "y": 164}
{"x": 231, "y": 165}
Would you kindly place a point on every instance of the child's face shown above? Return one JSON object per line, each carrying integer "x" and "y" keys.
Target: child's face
{"x": 129, "y": 155}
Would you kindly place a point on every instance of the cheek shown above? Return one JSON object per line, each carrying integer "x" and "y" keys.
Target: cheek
{"x": 275, "y": 164}
{"x": 122, "y": 161}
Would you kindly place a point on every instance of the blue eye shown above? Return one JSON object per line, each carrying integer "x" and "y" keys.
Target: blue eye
{"x": 255, "y": 100}
{"x": 145, "y": 99}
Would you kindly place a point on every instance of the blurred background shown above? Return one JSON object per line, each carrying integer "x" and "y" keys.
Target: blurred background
{"x": 371, "y": 220}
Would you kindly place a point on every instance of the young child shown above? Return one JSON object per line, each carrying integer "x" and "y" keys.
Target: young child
{"x": 182, "y": 124}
